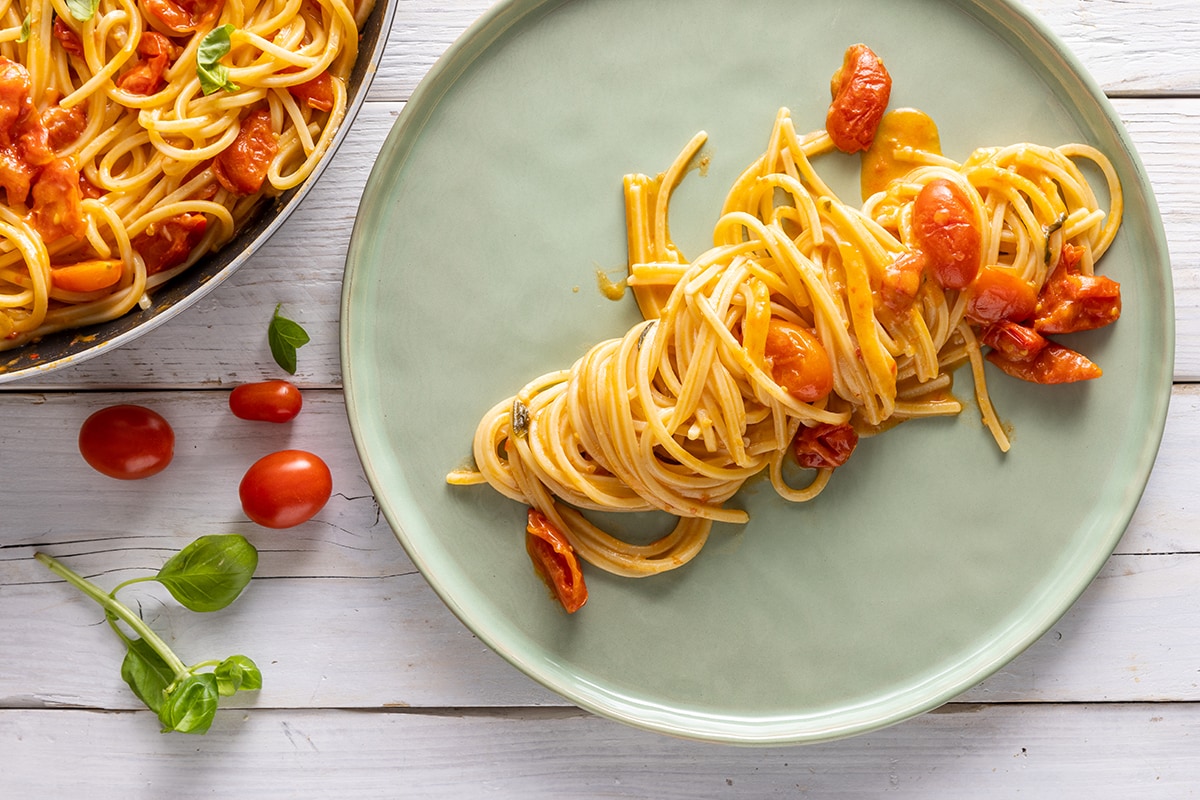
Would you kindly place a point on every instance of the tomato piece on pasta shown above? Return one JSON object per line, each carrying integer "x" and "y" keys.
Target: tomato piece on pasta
{"x": 947, "y": 232}
{"x": 798, "y": 361}
{"x": 168, "y": 243}
{"x": 145, "y": 77}
{"x": 316, "y": 93}
{"x": 57, "y": 209}
{"x": 242, "y": 167}
{"x": 1071, "y": 301}
{"x": 1053, "y": 364}
{"x": 554, "y": 561}
{"x": 825, "y": 445}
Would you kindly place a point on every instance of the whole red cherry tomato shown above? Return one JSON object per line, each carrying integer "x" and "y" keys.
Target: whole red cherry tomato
{"x": 266, "y": 401}
{"x": 285, "y": 488}
{"x": 947, "y": 232}
{"x": 127, "y": 442}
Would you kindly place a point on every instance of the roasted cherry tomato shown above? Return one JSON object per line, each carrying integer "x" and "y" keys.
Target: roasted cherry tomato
{"x": 554, "y": 561}
{"x": 242, "y": 166}
{"x": 1015, "y": 342}
{"x": 87, "y": 276}
{"x": 127, "y": 442}
{"x": 1071, "y": 301}
{"x": 798, "y": 361}
{"x": 285, "y": 488}
{"x": 902, "y": 280}
{"x": 266, "y": 401}
{"x": 1052, "y": 364}
{"x": 861, "y": 89}
{"x": 947, "y": 232}
{"x": 1000, "y": 293}
{"x": 824, "y": 445}
{"x": 168, "y": 243}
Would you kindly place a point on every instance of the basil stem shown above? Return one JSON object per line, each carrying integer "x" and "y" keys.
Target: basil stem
{"x": 114, "y": 608}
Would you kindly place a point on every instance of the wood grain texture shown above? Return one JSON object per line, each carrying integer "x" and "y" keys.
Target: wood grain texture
{"x": 981, "y": 752}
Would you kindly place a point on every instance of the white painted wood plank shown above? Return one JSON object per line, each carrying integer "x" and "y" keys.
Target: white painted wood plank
{"x": 1094, "y": 751}
{"x": 1143, "y": 47}
{"x": 1134, "y": 635}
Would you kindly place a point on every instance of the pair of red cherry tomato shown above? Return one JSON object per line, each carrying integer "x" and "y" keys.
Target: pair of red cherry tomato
{"x": 280, "y": 490}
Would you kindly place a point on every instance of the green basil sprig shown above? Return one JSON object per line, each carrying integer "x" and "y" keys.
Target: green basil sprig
{"x": 214, "y": 75}
{"x": 83, "y": 10}
{"x": 207, "y": 575}
{"x": 284, "y": 336}
{"x": 23, "y": 36}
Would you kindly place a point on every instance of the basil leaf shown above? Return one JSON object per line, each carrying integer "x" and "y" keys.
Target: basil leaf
{"x": 83, "y": 10}
{"x": 191, "y": 706}
{"x": 23, "y": 37}
{"x": 284, "y": 336}
{"x": 237, "y": 673}
{"x": 213, "y": 47}
{"x": 209, "y": 573}
{"x": 146, "y": 673}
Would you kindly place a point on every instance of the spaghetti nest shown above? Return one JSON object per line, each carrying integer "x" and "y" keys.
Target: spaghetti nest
{"x": 137, "y": 136}
{"x": 685, "y": 407}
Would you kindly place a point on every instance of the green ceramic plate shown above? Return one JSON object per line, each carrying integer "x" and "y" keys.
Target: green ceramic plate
{"x": 932, "y": 559}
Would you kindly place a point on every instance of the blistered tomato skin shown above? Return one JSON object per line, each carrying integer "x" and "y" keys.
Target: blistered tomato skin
{"x": 946, "y": 231}
{"x": 861, "y": 89}
{"x": 266, "y": 401}
{"x": 127, "y": 442}
{"x": 285, "y": 488}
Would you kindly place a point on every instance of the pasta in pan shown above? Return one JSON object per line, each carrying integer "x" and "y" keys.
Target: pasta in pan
{"x": 137, "y": 136}
{"x": 809, "y": 323}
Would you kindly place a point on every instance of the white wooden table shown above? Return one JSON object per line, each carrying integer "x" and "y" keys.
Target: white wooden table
{"x": 374, "y": 689}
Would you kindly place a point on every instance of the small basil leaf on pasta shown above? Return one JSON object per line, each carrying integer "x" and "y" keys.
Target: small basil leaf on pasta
{"x": 213, "y": 47}
{"x": 284, "y": 336}
{"x": 83, "y": 10}
{"x": 24, "y": 36}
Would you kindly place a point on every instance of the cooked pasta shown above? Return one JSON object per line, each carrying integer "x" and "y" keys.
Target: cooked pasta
{"x": 135, "y": 137}
{"x": 704, "y": 394}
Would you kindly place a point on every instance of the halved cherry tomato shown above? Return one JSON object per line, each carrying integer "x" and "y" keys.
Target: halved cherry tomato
{"x": 824, "y": 445}
{"x": 554, "y": 561}
{"x": 861, "y": 88}
{"x": 67, "y": 37}
{"x": 182, "y": 16}
{"x": 1071, "y": 301}
{"x": 1015, "y": 342}
{"x": 1000, "y": 293}
{"x": 127, "y": 442}
{"x": 169, "y": 243}
{"x": 145, "y": 77}
{"x": 316, "y": 93}
{"x": 1053, "y": 364}
{"x": 57, "y": 209}
{"x": 798, "y": 361}
{"x": 87, "y": 276}
{"x": 902, "y": 280}
{"x": 946, "y": 230}
{"x": 285, "y": 488}
{"x": 266, "y": 401}
{"x": 242, "y": 166}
